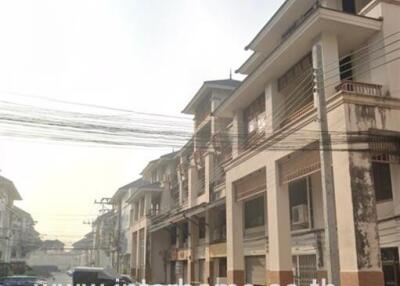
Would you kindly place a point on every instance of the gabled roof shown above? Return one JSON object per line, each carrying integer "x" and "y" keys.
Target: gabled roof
{"x": 8, "y": 186}
{"x": 150, "y": 187}
{"x": 163, "y": 158}
{"x": 20, "y": 212}
{"x": 125, "y": 189}
{"x": 222, "y": 84}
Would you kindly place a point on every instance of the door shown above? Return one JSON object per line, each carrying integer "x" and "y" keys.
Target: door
{"x": 349, "y": 6}
{"x": 390, "y": 266}
{"x": 255, "y": 270}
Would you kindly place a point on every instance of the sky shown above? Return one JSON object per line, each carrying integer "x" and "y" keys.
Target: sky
{"x": 144, "y": 55}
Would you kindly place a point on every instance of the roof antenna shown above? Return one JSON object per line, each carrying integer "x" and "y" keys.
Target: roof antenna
{"x": 230, "y": 73}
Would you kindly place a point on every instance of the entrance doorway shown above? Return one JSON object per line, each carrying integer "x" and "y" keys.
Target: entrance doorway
{"x": 390, "y": 266}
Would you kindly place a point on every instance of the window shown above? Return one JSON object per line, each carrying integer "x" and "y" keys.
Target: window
{"x": 222, "y": 265}
{"x": 390, "y": 265}
{"x": 382, "y": 181}
{"x": 349, "y": 6}
{"x": 131, "y": 216}
{"x": 202, "y": 228}
{"x": 300, "y": 203}
{"x": 254, "y": 212}
{"x": 173, "y": 235}
{"x": 201, "y": 264}
{"x": 136, "y": 211}
{"x": 185, "y": 234}
{"x": 305, "y": 269}
{"x": 141, "y": 209}
{"x": 254, "y": 116}
{"x": 346, "y": 69}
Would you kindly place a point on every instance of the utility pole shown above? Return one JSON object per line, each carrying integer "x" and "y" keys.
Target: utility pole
{"x": 328, "y": 191}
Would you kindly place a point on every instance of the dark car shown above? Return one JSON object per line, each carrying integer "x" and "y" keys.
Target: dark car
{"x": 97, "y": 276}
{"x": 22, "y": 280}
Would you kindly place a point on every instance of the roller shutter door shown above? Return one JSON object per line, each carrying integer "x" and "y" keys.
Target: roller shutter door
{"x": 255, "y": 270}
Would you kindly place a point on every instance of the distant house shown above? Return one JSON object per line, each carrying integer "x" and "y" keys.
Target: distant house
{"x": 24, "y": 238}
{"x": 52, "y": 246}
{"x": 8, "y": 194}
{"x": 83, "y": 251}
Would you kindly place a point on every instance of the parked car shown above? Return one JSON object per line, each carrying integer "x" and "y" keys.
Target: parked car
{"x": 97, "y": 276}
{"x": 22, "y": 280}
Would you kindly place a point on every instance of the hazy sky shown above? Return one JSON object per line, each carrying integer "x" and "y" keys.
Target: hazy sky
{"x": 145, "y": 55}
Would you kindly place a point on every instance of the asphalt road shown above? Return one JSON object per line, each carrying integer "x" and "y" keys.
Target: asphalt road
{"x": 59, "y": 278}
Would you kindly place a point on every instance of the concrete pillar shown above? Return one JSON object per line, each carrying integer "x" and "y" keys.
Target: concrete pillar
{"x": 208, "y": 264}
{"x": 279, "y": 233}
{"x": 209, "y": 175}
{"x": 237, "y": 133}
{"x": 137, "y": 253}
{"x": 234, "y": 246}
{"x": 391, "y": 26}
{"x": 395, "y": 172}
{"x": 359, "y": 250}
{"x": 147, "y": 204}
{"x": 330, "y": 62}
{"x": 193, "y": 183}
{"x": 193, "y": 242}
{"x": 273, "y": 106}
{"x": 180, "y": 181}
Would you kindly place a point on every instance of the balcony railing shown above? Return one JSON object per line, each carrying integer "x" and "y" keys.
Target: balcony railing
{"x": 201, "y": 116}
{"x": 294, "y": 116}
{"x": 360, "y": 88}
{"x": 253, "y": 139}
{"x": 222, "y": 144}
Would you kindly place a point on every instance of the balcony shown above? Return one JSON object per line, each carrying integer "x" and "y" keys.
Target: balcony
{"x": 202, "y": 115}
{"x": 253, "y": 139}
{"x": 299, "y": 113}
{"x": 360, "y": 88}
{"x": 179, "y": 253}
{"x": 223, "y": 146}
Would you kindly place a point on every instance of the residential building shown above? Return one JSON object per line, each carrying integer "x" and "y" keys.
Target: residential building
{"x": 24, "y": 237}
{"x": 274, "y": 187}
{"x": 52, "y": 245}
{"x": 122, "y": 232}
{"x": 149, "y": 196}
{"x": 8, "y": 194}
{"x": 244, "y": 200}
{"x": 188, "y": 233}
{"x": 83, "y": 251}
{"x": 103, "y": 237}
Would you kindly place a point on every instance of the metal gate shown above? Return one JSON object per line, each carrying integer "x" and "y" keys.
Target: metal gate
{"x": 305, "y": 269}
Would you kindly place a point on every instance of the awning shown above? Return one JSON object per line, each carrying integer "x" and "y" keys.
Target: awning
{"x": 385, "y": 146}
{"x": 300, "y": 164}
{"x": 167, "y": 219}
{"x": 251, "y": 185}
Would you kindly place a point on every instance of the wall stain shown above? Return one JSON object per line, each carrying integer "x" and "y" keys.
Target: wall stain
{"x": 363, "y": 208}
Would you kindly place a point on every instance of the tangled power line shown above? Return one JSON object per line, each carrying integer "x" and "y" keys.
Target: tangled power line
{"x": 120, "y": 127}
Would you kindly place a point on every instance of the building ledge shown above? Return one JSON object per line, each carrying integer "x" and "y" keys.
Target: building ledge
{"x": 352, "y": 32}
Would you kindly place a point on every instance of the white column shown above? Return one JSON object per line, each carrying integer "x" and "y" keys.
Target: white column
{"x": 279, "y": 233}
{"x": 237, "y": 133}
{"x": 209, "y": 172}
{"x": 193, "y": 183}
{"x": 234, "y": 247}
{"x": 330, "y": 62}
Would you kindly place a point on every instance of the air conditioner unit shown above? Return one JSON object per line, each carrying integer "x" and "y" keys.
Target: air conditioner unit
{"x": 300, "y": 215}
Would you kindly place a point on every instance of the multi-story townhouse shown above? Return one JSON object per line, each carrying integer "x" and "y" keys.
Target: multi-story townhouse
{"x": 122, "y": 237}
{"x": 24, "y": 238}
{"x": 188, "y": 236}
{"x": 103, "y": 234}
{"x": 83, "y": 251}
{"x": 8, "y": 194}
{"x": 274, "y": 189}
{"x": 149, "y": 195}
